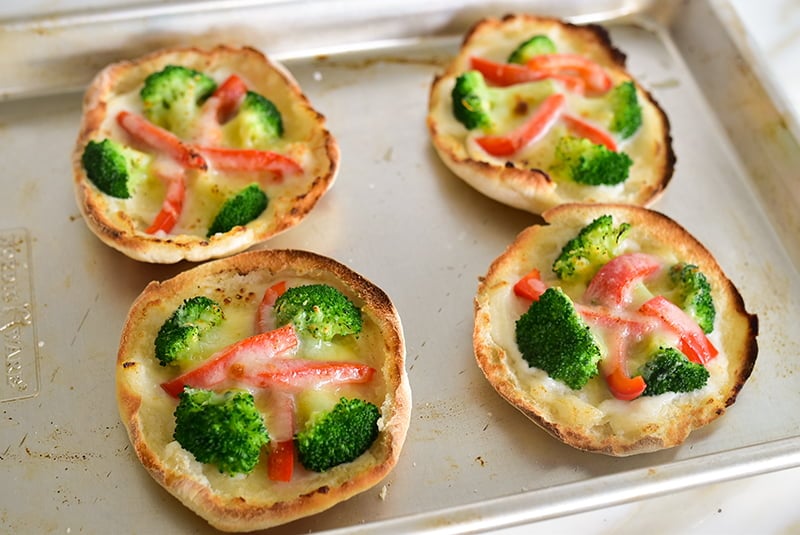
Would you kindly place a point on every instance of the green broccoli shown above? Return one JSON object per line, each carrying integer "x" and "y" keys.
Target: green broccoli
{"x": 179, "y": 336}
{"x": 584, "y": 162}
{"x": 223, "y": 429}
{"x": 694, "y": 294}
{"x": 239, "y": 210}
{"x": 115, "y": 169}
{"x": 339, "y": 435}
{"x": 553, "y": 337}
{"x": 535, "y": 46}
{"x": 627, "y": 113}
{"x": 669, "y": 370}
{"x": 476, "y": 105}
{"x": 257, "y": 123}
{"x": 594, "y": 245}
{"x": 471, "y": 101}
{"x": 319, "y": 310}
{"x": 172, "y": 97}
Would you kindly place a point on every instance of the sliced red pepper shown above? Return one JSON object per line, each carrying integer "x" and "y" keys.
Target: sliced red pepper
{"x": 250, "y": 160}
{"x": 693, "y": 341}
{"x": 230, "y": 361}
{"x": 615, "y": 369}
{"x": 281, "y": 425}
{"x": 264, "y": 311}
{"x": 297, "y": 373}
{"x": 613, "y": 284}
{"x": 160, "y": 140}
{"x": 218, "y": 109}
{"x": 536, "y": 126}
{"x": 595, "y": 76}
{"x": 280, "y": 462}
{"x": 631, "y": 323}
{"x": 624, "y": 387}
{"x": 506, "y": 74}
{"x": 172, "y": 206}
{"x": 530, "y": 286}
{"x": 230, "y": 94}
{"x": 583, "y": 128}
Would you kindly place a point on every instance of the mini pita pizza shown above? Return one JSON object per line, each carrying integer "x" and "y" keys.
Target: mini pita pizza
{"x": 264, "y": 387}
{"x": 535, "y": 112}
{"x": 614, "y": 329}
{"x": 190, "y": 154}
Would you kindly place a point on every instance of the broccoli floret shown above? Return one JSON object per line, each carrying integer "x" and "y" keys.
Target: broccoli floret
{"x": 223, "y": 429}
{"x": 338, "y": 436}
{"x": 595, "y": 244}
{"x": 471, "y": 101}
{"x": 239, "y": 210}
{"x": 670, "y": 371}
{"x": 476, "y": 105}
{"x": 552, "y": 337}
{"x": 694, "y": 294}
{"x": 535, "y": 46}
{"x": 257, "y": 123}
{"x": 584, "y": 162}
{"x": 627, "y": 112}
{"x": 179, "y": 336}
{"x": 171, "y": 97}
{"x": 319, "y": 310}
{"x": 116, "y": 170}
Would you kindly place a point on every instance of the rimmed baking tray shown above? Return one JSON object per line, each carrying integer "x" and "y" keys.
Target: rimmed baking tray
{"x": 396, "y": 215}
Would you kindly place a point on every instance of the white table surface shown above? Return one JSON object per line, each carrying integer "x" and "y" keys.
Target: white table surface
{"x": 764, "y": 504}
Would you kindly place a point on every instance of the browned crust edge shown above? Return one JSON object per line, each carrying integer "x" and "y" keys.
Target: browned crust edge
{"x": 174, "y": 248}
{"x": 242, "y": 513}
{"x": 737, "y": 324}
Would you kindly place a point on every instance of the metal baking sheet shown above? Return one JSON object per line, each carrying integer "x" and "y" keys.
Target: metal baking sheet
{"x": 399, "y": 217}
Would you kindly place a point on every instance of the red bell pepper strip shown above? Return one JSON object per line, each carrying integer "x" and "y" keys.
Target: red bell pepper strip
{"x": 506, "y": 74}
{"x": 596, "y": 78}
{"x": 693, "y": 342}
{"x": 530, "y": 286}
{"x": 624, "y": 387}
{"x": 172, "y": 206}
{"x": 229, "y": 94}
{"x": 613, "y": 284}
{"x": 281, "y": 425}
{"x": 632, "y": 323}
{"x": 264, "y": 311}
{"x": 583, "y": 128}
{"x": 160, "y": 140}
{"x": 535, "y": 127}
{"x": 250, "y": 160}
{"x": 280, "y": 461}
{"x": 231, "y": 361}
{"x": 218, "y": 109}
{"x": 614, "y": 366}
{"x": 620, "y": 328}
{"x": 297, "y": 373}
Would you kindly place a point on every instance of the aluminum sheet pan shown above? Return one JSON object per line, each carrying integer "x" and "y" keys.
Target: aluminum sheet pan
{"x": 396, "y": 215}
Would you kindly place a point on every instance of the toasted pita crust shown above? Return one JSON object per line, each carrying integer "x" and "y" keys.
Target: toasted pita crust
{"x": 591, "y": 419}
{"x": 522, "y": 181}
{"x": 288, "y": 204}
{"x": 253, "y": 502}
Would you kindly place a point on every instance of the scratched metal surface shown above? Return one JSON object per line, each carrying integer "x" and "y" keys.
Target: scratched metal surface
{"x": 397, "y": 216}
